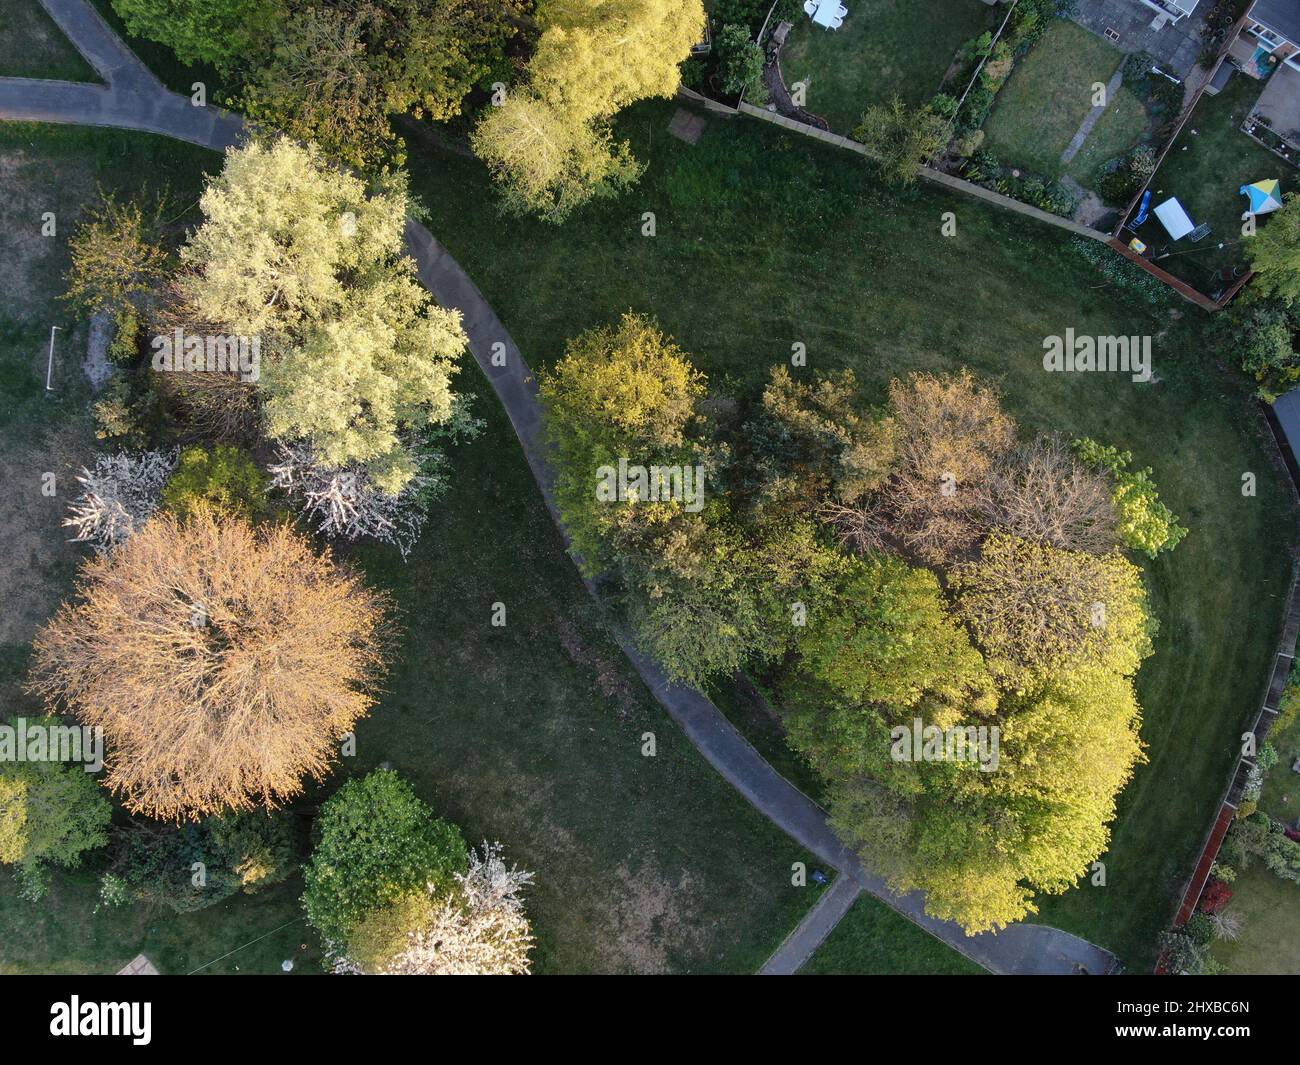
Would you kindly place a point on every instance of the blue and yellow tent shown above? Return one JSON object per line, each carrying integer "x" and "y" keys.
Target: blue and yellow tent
{"x": 1264, "y": 195}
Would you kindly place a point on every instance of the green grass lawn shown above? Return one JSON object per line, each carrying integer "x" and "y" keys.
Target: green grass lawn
{"x": 1269, "y": 943}
{"x": 1047, "y": 97}
{"x": 32, "y": 46}
{"x": 884, "y": 47}
{"x": 1122, "y": 127}
{"x": 766, "y": 239}
{"x": 1281, "y": 795}
{"x": 531, "y": 733}
{"x": 1204, "y": 169}
{"x": 874, "y": 940}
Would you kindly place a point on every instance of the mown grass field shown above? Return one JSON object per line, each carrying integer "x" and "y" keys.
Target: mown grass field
{"x": 766, "y": 239}
{"x": 1205, "y": 169}
{"x": 1268, "y": 944}
{"x": 873, "y": 940}
{"x": 531, "y": 733}
{"x": 1122, "y": 127}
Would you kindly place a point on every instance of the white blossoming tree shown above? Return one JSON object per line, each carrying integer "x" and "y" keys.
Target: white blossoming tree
{"x": 344, "y": 503}
{"x": 480, "y": 929}
{"x": 348, "y": 503}
{"x": 120, "y": 494}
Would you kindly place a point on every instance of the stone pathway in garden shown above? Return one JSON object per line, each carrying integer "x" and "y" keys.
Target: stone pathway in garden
{"x": 1093, "y": 117}
{"x": 134, "y": 99}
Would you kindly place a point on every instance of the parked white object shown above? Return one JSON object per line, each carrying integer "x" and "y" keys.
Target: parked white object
{"x": 1174, "y": 218}
{"x": 829, "y": 13}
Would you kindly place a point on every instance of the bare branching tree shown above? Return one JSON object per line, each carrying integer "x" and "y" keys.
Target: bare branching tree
{"x": 1042, "y": 493}
{"x": 118, "y": 496}
{"x": 223, "y": 662}
{"x": 1227, "y": 924}
{"x": 203, "y": 405}
{"x": 950, "y": 431}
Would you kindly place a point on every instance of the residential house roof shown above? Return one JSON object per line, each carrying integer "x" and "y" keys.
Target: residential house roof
{"x": 1280, "y": 16}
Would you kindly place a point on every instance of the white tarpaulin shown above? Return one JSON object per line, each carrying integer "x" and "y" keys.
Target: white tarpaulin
{"x": 1174, "y": 218}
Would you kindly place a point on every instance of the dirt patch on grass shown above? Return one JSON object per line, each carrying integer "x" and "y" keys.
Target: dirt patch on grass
{"x": 33, "y": 263}
{"x": 652, "y": 917}
{"x": 608, "y": 673}
{"x": 38, "y": 563}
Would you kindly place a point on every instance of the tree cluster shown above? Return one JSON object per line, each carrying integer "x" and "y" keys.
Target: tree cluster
{"x": 920, "y": 563}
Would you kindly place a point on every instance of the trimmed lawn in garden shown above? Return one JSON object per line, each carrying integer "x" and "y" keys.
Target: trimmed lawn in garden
{"x": 530, "y": 733}
{"x": 767, "y": 239}
{"x": 1047, "y": 97}
{"x": 1280, "y": 797}
{"x": 1269, "y": 908}
{"x": 1122, "y": 127}
{"x": 885, "y": 47}
{"x": 1210, "y": 161}
{"x": 32, "y": 46}
{"x": 873, "y": 940}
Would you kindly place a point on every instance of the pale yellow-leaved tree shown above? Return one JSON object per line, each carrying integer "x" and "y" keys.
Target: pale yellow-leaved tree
{"x": 548, "y": 143}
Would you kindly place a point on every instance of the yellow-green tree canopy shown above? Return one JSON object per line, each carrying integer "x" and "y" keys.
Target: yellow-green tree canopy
{"x": 597, "y": 56}
{"x": 1039, "y": 612}
{"x": 548, "y": 143}
{"x": 306, "y": 258}
{"x": 337, "y": 73}
{"x": 982, "y": 844}
{"x": 624, "y": 391}
{"x": 1274, "y": 252}
{"x": 49, "y": 812}
{"x": 885, "y": 636}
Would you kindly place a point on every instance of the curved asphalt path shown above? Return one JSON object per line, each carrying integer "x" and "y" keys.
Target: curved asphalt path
{"x": 134, "y": 99}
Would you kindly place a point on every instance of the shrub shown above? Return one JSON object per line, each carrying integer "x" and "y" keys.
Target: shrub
{"x": 236, "y": 853}
{"x": 225, "y": 478}
{"x": 1216, "y": 896}
{"x": 126, "y": 335}
{"x": 1199, "y": 929}
{"x": 116, "y": 257}
{"x": 378, "y": 843}
{"x": 125, "y": 414}
{"x": 740, "y": 62}
{"x": 478, "y": 930}
{"x": 1119, "y": 271}
{"x": 901, "y": 139}
{"x": 1145, "y": 523}
{"x": 50, "y": 812}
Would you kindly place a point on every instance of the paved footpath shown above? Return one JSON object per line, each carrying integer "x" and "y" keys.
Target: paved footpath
{"x": 134, "y": 99}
